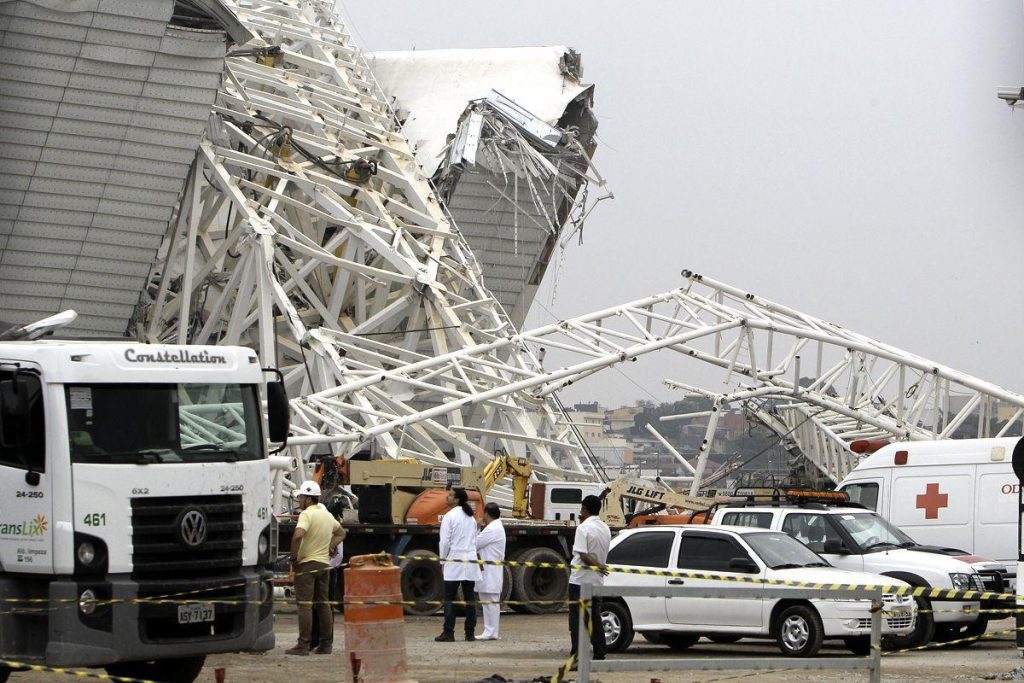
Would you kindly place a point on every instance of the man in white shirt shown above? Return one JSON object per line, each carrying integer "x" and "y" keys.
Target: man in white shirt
{"x": 589, "y": 554}
{"x": 458, "y": 542}
{"x": 490, "y": 546}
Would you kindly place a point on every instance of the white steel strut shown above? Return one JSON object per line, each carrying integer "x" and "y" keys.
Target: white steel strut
{"x": 308, "y": 231}
{"x": 826, "y": 385}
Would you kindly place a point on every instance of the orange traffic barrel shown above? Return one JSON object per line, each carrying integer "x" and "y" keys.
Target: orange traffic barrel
{"x": 374, "y": 624}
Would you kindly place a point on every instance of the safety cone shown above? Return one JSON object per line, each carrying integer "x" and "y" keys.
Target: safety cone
{"x": 374, "y": 633}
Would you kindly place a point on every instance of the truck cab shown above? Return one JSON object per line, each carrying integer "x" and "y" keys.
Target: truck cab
{"x": 132, "y": 473}
{"x": 858, "y": 539}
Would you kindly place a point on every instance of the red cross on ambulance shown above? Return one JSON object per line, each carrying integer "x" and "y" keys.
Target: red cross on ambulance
{"x": 931, "y": 501}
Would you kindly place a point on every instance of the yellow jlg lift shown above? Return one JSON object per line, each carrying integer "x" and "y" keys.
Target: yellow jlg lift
{"x": 666, "y": 505}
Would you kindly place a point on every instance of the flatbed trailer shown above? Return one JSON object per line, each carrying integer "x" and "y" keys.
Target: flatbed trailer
{"x": 528, "y": 589}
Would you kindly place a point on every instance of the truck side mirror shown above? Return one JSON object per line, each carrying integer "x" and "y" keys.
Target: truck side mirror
{"x": 834, "y": 547}
{"x": 743, "y": 564}
{"x": 277, "y": 412}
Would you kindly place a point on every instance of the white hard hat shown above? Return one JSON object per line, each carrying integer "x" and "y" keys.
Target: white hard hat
{"x": 308, "y": 488}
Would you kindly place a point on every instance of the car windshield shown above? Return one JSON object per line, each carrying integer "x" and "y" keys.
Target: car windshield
{"x": 163, "y": 423}
{"x": 782, "y": 551}
{"x": 872, "y": 532}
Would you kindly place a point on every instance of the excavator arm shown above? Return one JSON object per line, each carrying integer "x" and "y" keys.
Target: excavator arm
{"x": 520, "y": 470}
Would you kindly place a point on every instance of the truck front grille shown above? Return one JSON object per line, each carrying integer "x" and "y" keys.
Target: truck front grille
{"x": 160, "y": 544}
{"x": 992, "y": 580}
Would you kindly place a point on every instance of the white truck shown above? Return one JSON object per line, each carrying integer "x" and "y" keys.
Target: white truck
{"x": 129, "y": 473}
{"x": 857, "y": 539}
{"x": 955, "y": 493}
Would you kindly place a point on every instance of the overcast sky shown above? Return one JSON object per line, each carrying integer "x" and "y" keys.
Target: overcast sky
{"x": 848, "y": 159}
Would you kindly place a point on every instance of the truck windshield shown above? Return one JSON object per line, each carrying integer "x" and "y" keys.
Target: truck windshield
{"x": 163, "y": 423}
{"x": 782, "y": 551}
{"x": 871, "y": 532}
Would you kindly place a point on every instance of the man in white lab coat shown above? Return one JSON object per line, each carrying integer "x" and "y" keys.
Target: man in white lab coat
{"x": 458, "y": 542}
{"x": 490, "y": 546}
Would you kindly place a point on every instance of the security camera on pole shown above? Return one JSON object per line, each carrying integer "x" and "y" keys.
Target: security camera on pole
{"x": 1018, "y": 470}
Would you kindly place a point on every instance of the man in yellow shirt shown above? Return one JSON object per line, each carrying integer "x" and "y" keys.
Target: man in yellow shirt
{"x": 314, "y": 542}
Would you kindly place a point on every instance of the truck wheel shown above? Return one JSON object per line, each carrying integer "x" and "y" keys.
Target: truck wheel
{"x": 516, "y": 605}
{"x": 618, "y": 627}
{"x": 506, "y": 584}
{"x": 183, "y": 670}
{"x": 5, "y": 673}
{"x": 798, "y": 631}
{"x": 542, "y": 589}
{"x": 422, "y": 582}
{"x": 923, "y": 633}
{"x": 945, "y": 633}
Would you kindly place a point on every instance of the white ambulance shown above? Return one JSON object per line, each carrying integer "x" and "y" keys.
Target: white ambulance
{"x": 956, "y": 493}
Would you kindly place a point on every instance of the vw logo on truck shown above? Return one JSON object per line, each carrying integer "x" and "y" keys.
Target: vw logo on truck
{"x": 192, "y": 527}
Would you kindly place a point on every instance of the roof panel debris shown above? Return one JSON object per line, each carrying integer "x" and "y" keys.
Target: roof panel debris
{"x": 507, "y": 136}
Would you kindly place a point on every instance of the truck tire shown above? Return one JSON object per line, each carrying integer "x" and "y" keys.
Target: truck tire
{"x": 542, "y": 590}
{"x": 422, "y": 582}
{"x": 506, "y": 584}
{"x": 923, "y": 633}
{"x": 945, "y": 633}
{"x": 516, "y": 605}
{"x": 182, "y": 670}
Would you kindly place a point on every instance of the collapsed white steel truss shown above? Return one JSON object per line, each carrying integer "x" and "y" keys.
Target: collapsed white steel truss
{"x": 309, "y": 232}
{"x": 817, "y": 383}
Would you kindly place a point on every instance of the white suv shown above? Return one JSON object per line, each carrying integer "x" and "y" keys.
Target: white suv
{"x": 861, "y": 540}
{"x": 798, "y": 625}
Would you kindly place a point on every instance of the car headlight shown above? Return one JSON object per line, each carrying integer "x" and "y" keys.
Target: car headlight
{"x": 962, "y": 582}
{"x": 86, "y": 553}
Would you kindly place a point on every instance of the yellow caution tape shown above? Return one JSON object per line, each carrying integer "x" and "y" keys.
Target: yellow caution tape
{"x": 24, "y": 666}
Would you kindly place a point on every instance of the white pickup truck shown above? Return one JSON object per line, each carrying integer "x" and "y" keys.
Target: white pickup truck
{"x": 861, "y": 540}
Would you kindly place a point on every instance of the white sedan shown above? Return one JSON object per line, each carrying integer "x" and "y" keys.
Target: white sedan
{"x": 798, "y": 625}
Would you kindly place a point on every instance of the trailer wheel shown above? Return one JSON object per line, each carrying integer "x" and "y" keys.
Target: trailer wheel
{"x": 422, "y": 582}
{"x": 183, "y": 670}
{"x": 541, "y": 589}
{"x": 510, "y": 582}
{"x": 506, "y": 585}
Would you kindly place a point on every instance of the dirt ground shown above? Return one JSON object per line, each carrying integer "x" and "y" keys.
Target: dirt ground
{"x": 536, "y": 645}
